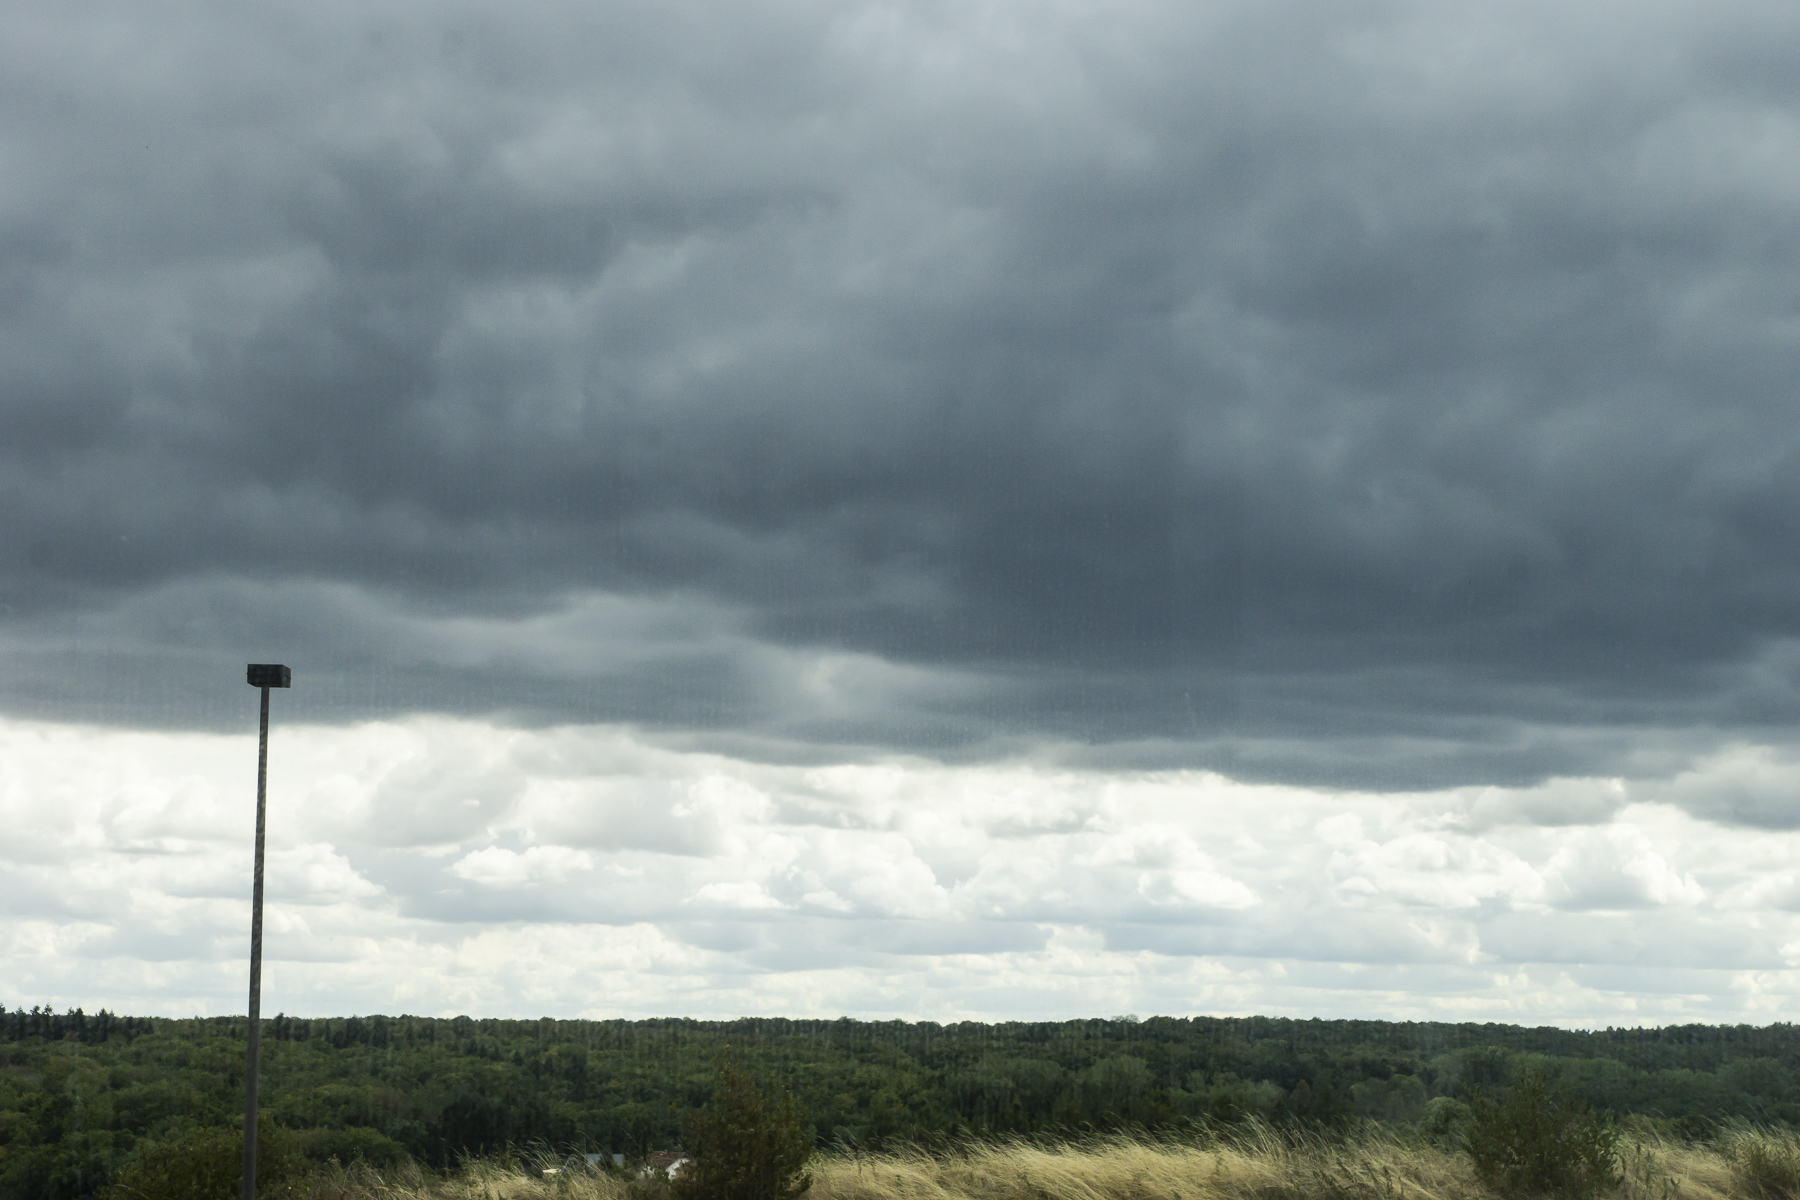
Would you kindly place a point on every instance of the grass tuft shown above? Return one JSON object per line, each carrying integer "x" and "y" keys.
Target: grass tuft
{"x": 1764, "y": 1165}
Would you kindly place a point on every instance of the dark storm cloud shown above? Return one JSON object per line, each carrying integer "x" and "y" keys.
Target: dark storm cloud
{"x": 1362, "y": 393}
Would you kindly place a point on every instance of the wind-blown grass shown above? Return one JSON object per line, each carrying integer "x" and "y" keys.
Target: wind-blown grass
{"x": 1765, "y": 1166}
{"x": 1255, "y": 1164}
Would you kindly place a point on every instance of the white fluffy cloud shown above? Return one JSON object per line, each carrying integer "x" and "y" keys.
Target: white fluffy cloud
{"x": 437, "y": 865}
{"x": 1616, "y": 867}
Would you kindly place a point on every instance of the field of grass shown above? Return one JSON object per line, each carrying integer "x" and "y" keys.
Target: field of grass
{"x": 1259, "y": 1165}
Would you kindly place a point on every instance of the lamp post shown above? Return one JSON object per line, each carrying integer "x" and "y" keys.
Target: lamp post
{"x": 264, "y": 676}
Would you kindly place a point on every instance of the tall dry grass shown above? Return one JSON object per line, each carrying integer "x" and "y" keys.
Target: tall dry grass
{"x": 1259, "y": 1164}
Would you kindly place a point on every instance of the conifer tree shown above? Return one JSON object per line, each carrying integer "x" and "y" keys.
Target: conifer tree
{"x": 1539, "y": 1142}
{"x": 749, "y": 1143}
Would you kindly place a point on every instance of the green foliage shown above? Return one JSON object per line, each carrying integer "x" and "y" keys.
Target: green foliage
{"x": 749, "y": 1143}
{"x": 1538, "y": 1142}
{"x": 80, "y": 1096}
{"x": 355, "y": 1144}
{"x": 208, "y": 1164}
{"x": 1446, "y": 1120}
{"x": 1765, "y": 1165}
{"x": 1694, "y": 1128}
{"x": 1399, "y": 1099}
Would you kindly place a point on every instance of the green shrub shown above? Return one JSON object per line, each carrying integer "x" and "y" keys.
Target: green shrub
{"x": 208, "y": 1164}
{"x": 749, "y": 1143}
{"x": 1537, "y": 1142}
{"x": 1445, "y": 1121}
{"x": 1764, "y": 1165}
{"x": 1694, "y": 1128}
{"x": 352, "y": 1144}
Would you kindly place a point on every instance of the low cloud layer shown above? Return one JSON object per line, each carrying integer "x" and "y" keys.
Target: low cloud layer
{"x": 1376, "y": 395}
{"x": 587, "y": 870}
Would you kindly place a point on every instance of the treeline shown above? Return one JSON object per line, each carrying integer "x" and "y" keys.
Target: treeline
{"x": 42, "y": 1022}
{"x": 80, "y": 1094}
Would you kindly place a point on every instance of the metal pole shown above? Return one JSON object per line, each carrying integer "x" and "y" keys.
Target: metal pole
{"x": 256, "y": 905}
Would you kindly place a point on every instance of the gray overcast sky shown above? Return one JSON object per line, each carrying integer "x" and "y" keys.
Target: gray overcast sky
{"x": 1392, "y": 397}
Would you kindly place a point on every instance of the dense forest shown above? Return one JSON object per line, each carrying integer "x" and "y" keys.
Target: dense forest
{"x": 80, "y": 1093}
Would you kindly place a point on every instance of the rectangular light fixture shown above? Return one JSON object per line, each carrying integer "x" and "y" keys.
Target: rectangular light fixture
{"x": 269, "y": 675}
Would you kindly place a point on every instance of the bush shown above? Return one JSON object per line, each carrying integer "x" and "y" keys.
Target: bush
{"x": 1537, "y": 1142}
{"x": 749, "y": 1143}
{"x": 208, "y": 1164}
{"x": 352, "y": 1144}
{"x": 1694, "y": 1128}
{"x": 1446, "y": 1121}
